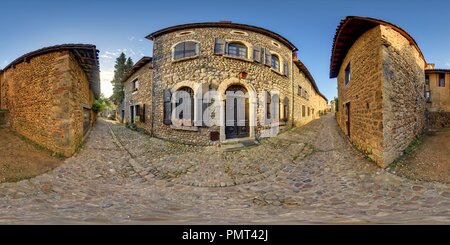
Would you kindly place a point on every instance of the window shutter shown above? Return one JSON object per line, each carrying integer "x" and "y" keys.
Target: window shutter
{"x": 142, "y": 116}
{"x": 285, "y": 67}
{"x": 219, "y": 46}
{"x": 197, "y": 48}
{"x": 267, "y": 57}
{"x": 167, "y": 107}
{"x": 257, "y": 53}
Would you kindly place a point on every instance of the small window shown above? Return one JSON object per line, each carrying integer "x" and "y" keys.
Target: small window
{"x": 347, "y": 74}
{"x": 275, "y": 63}
{"x": 135, "y": 85}
{"x": 237, "y": 50}
{"x": 299, "y": 92}
{"x": 441, "y": 80}
{"x": 427, "y": 96}
{"x": 427, "y": 79}
{"x": 309, "y": 111}
{"x": 185, "y": 50}
{"x": 303, "y": 111}
{"x": 184, "y": 33}
{"x": 239, "y": 33}
{"x": 275, "y": 44}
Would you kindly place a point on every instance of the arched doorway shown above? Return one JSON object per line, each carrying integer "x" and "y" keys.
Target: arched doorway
{"x": 236, "y": 112}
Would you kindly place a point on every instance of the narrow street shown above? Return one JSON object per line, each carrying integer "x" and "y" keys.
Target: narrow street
{"x": 306, "y": 175}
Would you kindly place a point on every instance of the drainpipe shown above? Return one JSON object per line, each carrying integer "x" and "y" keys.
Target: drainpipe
{"x": 292, "y": 88}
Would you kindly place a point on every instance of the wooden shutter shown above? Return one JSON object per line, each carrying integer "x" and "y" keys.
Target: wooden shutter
{"x": 285, "y": 67}
{"x": 257, "y": 53}
{"x": 142, "y": 116}
{"x": 219, "y": 46}
{"x": 167, "y": 96}
{"x": 267, "y": 57}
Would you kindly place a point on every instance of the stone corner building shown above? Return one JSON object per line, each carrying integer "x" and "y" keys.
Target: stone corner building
{"x": 137, "y": 103}
{"x": 215, "y": 58}
{"x": 48, "y": 94}
{"x": 380, "y": 71}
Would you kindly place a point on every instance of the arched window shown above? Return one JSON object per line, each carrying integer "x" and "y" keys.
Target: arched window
{"x": 237, "y": 50}
{"x": 185, "y": 50}
{"x": 275, "y": 62}
{"x": 184, "y": 107}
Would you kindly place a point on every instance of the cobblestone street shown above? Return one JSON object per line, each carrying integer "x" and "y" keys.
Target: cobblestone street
{"x": 306, "y": 175}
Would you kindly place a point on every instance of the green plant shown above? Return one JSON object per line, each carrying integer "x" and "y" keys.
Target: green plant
{"x": 97, "y": 106}
{"x": 3, "y": 110}
{"x": 416, "y": 142}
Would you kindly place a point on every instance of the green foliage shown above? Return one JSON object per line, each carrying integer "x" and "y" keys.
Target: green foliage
{"x": 122, "y": 66}
{"x": 97, "y": 106}
{"x": 336, "y": 104}
{"x": 416, "y": 142}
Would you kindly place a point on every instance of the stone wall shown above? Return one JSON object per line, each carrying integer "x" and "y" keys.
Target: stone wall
{"x": 141, "y": 97}
{"x": 438, "y": 119}
{"x": 364, "y": 93}
{"x": 44, "y": 96}
{"x": 403, "y": 96}
{"x": 213, "y": 70}
{"x": 315, "y": 102}
{"x": 81, "y": 98}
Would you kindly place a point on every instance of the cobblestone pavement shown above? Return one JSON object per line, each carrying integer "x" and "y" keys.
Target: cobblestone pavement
{"x": 306, "y": 175}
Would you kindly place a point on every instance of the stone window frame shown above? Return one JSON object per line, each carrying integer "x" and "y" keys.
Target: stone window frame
{"x": 248, "y": 45}
{"x": 184, "y": 33}
{"x": 272, "y": 55}
{"x": 195, "y": 100}
{"x": 238, "y": 49}
{"x": 134, "y": 82}
{"x": 236, "y": 32}
{"x": 197, "y": 50}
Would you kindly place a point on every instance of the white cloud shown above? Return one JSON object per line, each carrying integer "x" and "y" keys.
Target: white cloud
{"x": 106, "y": 76}
{"x": 5, "y": 62}
{"x": 141, "y": 40}
{"x": 131, "y": 38}
{"x": 447, "y": 64}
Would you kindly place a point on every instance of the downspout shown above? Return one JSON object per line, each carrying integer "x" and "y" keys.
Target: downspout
{"x": 292, "y": 88}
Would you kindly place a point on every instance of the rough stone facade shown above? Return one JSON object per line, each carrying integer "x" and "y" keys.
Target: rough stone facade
{"x": 217, "y": 72}
{"x": 140, "y": 97}
{"x": 380, "y": 90}
{"x": 48, "y": 98}
{"x": 306, "y": 98}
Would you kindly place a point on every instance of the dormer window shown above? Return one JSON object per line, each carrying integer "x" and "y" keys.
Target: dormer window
{"x": 186, "y": 50}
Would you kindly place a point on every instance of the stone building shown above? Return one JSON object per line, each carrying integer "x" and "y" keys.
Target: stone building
{"x": 48, "y": 95}
{"x": 380, "y": 71}
{"x": 309, "y": 103}
{"x": 137, "y": 102}
{"x": 222, "y": 81}
{"x": 437, "y": 96}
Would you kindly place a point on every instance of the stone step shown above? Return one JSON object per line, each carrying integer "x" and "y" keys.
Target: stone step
{"x": 239, "y": 145}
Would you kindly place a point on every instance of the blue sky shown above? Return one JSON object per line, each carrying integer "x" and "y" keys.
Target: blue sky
{"x": 116, "y": 26}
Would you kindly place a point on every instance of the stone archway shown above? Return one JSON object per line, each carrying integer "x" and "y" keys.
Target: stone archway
{"x": 252, "y": 106}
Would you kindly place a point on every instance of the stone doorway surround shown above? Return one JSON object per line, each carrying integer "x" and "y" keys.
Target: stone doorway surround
{"x": 253, "y": 104}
